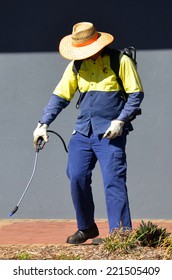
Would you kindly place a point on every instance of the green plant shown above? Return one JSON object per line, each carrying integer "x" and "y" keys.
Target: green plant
{"x": 23, "y": 256}
{"x": 149, "y": 234}
{"x": 120, "y": 240}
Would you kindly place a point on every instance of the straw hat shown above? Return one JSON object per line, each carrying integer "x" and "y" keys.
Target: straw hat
{"x": 84, "y": 41}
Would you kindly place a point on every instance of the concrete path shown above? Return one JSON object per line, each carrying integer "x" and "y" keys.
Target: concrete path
{"x": 49, "y": 231}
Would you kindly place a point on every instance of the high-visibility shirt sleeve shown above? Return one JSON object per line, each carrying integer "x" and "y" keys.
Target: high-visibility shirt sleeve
{"x": 129, "y": 75}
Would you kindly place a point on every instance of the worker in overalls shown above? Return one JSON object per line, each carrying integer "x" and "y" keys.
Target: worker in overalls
{"x": 101, "y": 128}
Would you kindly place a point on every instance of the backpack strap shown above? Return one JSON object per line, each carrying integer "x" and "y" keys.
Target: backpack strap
{"x": 114, "y": 59}
{"x": 115, "y": 64}
{"x": 76, "y": 66}
{"x": 75, "y": 69}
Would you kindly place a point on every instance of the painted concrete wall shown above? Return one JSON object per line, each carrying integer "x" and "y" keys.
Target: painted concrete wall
{"x": 26, "y": 82}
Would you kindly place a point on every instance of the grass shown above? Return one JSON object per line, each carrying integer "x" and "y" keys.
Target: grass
{"x": 65, "y": 256}
{"x": 120, "y": 240}
{"x": 23, "y": 256}
{"x": 167, "y": 243}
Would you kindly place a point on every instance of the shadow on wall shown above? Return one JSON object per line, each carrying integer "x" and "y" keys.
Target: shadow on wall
{"x": 38, "y": 26}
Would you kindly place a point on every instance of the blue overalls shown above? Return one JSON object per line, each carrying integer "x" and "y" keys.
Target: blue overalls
{"x": 101, "y": 104}
{"x": 84, "y": 151}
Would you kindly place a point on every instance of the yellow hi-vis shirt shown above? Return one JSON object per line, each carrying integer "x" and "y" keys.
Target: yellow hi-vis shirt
{"x": 98, "y": 76}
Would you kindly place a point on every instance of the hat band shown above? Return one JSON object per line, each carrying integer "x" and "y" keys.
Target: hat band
{"x": 90, "y": 41}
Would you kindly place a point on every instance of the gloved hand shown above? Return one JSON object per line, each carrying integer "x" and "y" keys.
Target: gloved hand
{"x": 114, "y": 130}
{"x": 40, "y": 131}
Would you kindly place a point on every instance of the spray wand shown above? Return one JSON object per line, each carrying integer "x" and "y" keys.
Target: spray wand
{"x": 40, "y": 145}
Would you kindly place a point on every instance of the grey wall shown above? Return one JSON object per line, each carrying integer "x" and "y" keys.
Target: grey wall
{"x": 26, "y": 82}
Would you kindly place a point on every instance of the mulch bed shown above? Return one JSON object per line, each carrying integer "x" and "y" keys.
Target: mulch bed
{"x": 80, "y": 252}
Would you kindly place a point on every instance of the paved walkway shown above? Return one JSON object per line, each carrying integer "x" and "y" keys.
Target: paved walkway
{"x": 14, "y": 231}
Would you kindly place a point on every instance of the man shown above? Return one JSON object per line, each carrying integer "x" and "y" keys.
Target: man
{"x": 101, "y": 128}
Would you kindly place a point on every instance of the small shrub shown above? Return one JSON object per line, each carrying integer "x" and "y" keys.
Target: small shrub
{"x": 120, "y": 240}
{"x": 150, "y": 234}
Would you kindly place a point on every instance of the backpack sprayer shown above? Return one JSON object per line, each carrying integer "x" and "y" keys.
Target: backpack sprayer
{"x": 39, "y": 147}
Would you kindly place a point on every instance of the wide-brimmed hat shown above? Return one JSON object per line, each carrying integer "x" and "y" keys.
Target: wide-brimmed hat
{"x": 84, "y": 41}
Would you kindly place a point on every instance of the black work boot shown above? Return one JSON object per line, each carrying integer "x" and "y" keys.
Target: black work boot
{"x": 80, "y": 236}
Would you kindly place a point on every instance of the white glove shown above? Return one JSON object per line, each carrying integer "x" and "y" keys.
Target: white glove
{"x": 40, "y": 131}
{"x": 114, "y": 130}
